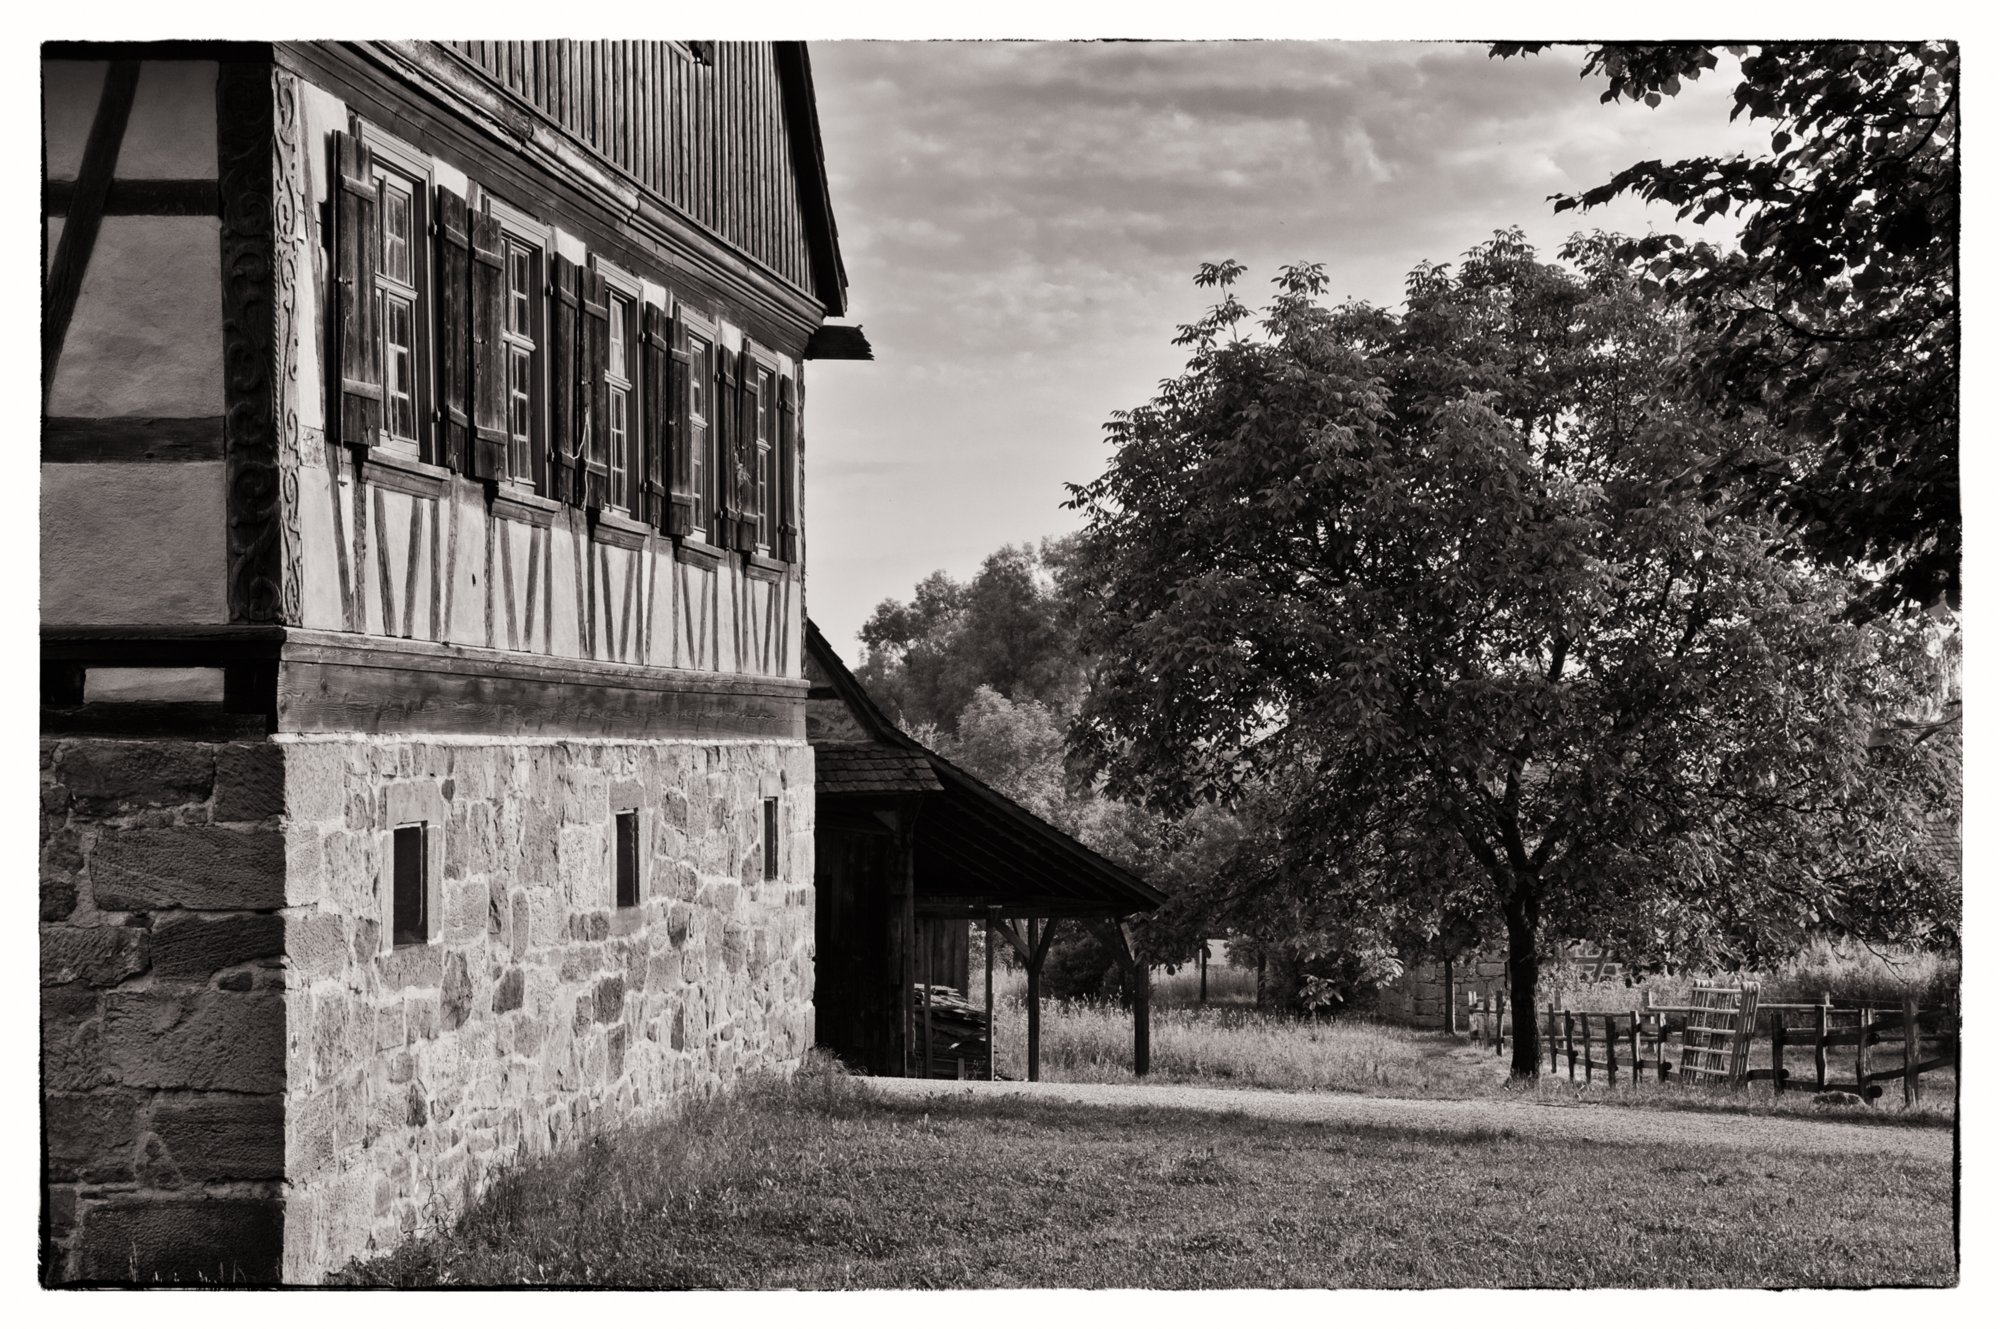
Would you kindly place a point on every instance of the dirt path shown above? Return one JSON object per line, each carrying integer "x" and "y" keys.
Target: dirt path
{"x": 1605, "y": 1124}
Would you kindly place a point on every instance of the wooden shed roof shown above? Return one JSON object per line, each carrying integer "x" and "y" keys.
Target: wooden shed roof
{"x": 976, "y": 848}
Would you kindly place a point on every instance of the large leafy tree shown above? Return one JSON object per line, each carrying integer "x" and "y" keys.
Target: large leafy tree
{"x": 1455, "y": 584}
{"x": 1833, "y": 324}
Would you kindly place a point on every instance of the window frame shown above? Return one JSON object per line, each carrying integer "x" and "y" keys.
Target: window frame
{"x": 619, "y": 820}
{"x": 702, "y": 331}
{"x": 394, "y": 158}
{"x": 763, "y": 429}
{"x": 622, "y": 285}
{"x": 522, "y": 231}
{"x": 769, "y": 830}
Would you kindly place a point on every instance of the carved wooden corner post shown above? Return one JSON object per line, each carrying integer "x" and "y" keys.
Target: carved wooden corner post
{"x": 261, "y": 171}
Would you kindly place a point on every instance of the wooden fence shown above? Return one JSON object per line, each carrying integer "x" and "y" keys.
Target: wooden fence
{"x": 1848, "y": 1044}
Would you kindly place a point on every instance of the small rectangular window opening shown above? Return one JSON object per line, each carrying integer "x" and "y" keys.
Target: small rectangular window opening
{"x": 770, "y": 839}
{"x": 626, "y": 825}
{"x": 410, "y": 923}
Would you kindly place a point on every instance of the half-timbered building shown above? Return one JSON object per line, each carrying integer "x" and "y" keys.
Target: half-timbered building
{"x": 424, "y": 774}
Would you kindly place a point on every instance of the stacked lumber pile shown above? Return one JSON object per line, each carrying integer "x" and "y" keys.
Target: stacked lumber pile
{"x": 961, "y": 1045}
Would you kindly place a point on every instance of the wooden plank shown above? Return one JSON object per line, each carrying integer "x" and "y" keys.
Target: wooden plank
{"x": 140, "y": 198}
{"x": 151, "y": 439}
{"x": 1912, "y": 1090}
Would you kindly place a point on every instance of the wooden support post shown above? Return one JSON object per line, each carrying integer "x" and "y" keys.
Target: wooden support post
{"x": 1587, "y": 1063}
{"x": 1499, "y": 1023}
{"x": 1660, "y": 1046}
{"x": 1203, "y": 998}
{"x": 1635, "y": 1047}
{"x": 1260, "y": 981}
{"x": 1142, "y": 1016}
{"x": 1777, "y": 1053}
{"x": 1450, "y": 1001}
{"x": 929, "y": 1063}
{"x": 990, "y": 1040}
{"x": 1819, "y": 1040}
{"x": 1034, "y": 1003}
{"x": 1552, "y": 1038}
{"x": 1610, "y": 1052}
{"x": 1569, "y": 1044}
{"x": 1861, "y": 1051}
{"x": 1911, "y": 1044}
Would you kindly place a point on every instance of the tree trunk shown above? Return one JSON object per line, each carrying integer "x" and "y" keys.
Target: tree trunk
{"x": 1524, "y": 971}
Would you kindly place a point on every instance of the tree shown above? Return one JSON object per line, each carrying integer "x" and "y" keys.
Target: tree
{"x": 1002, "y": 629}
{"x": 1834, "y": 324}
{"x": 1452, "y": 584}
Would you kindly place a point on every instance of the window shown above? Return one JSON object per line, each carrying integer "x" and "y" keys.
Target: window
{"x": 522, "y": 335}
{"x": 402, "y": 281}
{"x": 410, "y": 923}
{"x": 622, "y": 401}
{"x": 701, "y": 391}
{"x": 767, "y": 454}
{"x": 625, "y": 835}
{"x": 770, "y": 839}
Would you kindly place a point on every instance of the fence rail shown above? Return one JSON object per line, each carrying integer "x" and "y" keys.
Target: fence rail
{"x": 1655, "y": 1039}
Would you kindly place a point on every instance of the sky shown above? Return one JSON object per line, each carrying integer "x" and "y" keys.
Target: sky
{"x": 1021, "y": 222}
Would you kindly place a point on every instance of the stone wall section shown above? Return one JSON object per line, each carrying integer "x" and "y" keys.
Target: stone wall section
{"x": 541, "y": 1012}
{"x": 162, "y": 992}
{"x": 1417, "y": 998}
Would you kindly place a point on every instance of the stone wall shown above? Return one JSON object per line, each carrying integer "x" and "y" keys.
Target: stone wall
{"x": 1418, "y": 997}
{"x": 541, "y": 1012}
{"x": 162, "y": 877}
{"x": 243, "y": 1079}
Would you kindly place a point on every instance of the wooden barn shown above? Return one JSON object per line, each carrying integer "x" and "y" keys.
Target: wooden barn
{"x": 909, "y": 853}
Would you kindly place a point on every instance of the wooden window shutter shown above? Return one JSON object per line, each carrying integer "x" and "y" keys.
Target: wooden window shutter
{"x": 489, "y": 349}
{"x": 656, "y": 435}
{"x": 565, "y": 407}
{"x": 357, "y": 237}
{"x": 786, "y": 546}
{"x": 748, "y": 518}
{"x": 596, "y": 348}
{"x": 681, "y": 503}
{"x": 454, "y": 330}
{"x": 722, "y": 431}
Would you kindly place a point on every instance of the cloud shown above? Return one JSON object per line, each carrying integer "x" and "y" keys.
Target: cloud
{"x": 1020, "y": 222}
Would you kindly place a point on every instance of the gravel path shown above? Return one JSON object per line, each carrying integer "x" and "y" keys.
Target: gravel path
{"x": 1608, "y": 1125}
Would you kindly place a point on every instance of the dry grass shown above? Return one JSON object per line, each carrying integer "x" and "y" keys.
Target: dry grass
{"x": 1233, "y": 1044}
{"x": 821, "y": 1184}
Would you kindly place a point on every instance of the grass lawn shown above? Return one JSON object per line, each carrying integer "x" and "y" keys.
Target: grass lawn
{"x": 821, "y": 1184}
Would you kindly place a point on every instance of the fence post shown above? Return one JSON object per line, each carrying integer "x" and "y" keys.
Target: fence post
{"x": 1912, "y": 1091}
{"x": 1861, "y": 1051}
{"x": 1585, "y": 1017}
{"x": 1569, "y": 1045}
{"x": 1819, "y": 1040}
{"x": 1635, "y": 1047}
{"x": 1552, "y": 1038}
{"x": 1660, "y": 1046}
{"x": 1499, "y": 1023}
{"x": 1610, "y": 1051}
{"x": 1777, "y": 1053}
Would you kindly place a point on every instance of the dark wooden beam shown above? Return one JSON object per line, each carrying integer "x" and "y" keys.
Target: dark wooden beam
{"x": 123, "y": 438}
{"x": 320, "y": 682}
{"x": 140, "y": 198}
{"x": 79, "y": 235}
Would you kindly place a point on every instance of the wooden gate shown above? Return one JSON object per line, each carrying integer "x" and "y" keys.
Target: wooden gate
{"x": 1715, "y": 1048}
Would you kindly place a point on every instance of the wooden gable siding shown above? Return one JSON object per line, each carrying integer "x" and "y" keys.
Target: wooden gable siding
{"x": 711, "y": 138}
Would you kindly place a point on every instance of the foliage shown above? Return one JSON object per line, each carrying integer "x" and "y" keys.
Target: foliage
{"x": 1834, "y": 324}
{"x": 926, "y": 659}
{"x": 1451, "y": 589}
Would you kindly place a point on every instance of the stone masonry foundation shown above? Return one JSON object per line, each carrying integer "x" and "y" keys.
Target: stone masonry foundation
{"x": 245, "y": 1080}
